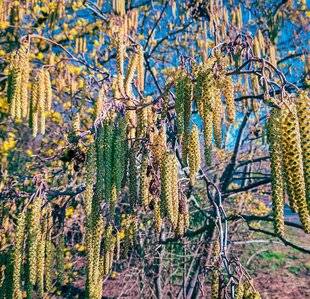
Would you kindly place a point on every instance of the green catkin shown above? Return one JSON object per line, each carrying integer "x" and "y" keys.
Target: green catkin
{"x": 119, "y": 152}
{"x": 157, "y": 215}
{"x": 33, "y": 113}
{"x": 49, "y": 253}
{"x": 194, "y": 159}
{"x": 217, "y": 120}
{"x": 215, "y": 276}
{"x": 293, "y": 165}
{"x": 34, "y": 228}
{"x": 303, "y": 112}
{"x": 132, "y": 177}
{"x": 183, "y": 95}
{"x": 144, "y": 182}
{"x": 274, "y": 139}
{"x": 60, "y": 262}
{"x": 108, "y": 159}
{"x": 169, "y": 188}
{"x": 49, "y": 93}
{"x": 228, "y": 93}
{"x": 18, "y": 255}
{"x": 41, "y": 102}
{"x": 207, "y": 130}
{"x": 89, "y": 180}
{"x": 41, "y": 258}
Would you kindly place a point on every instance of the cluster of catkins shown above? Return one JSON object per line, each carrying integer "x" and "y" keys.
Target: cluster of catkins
{"x": 206, "y": 90}
{"x": 289, "y": 140}
{"x": 25, "y": 104}
{"x": 30, "y": 266}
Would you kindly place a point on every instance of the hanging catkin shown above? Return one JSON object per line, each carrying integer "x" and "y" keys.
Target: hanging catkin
{"x": 18, "y": 78}
{"x": 48, "y": 89}
{"x": 194, "y": 159}
{"x": 34, "y": 228}
{"x": 18, "y": 255}
{"x": 293, "y": 165}
{"x": 207, "y": 130}
{"x": 303, "y": 112}
{"x": 228, "y": 93}
{"x": 120, "y": 53}
{"x": 217, "y": 119}
{"x": 169, "y": 188}
{"x": 144, "y": 182}
{"x": 215, "y": 276}
{"x": 274, "y": 139}
{"x": 130, "y": 74}
{"x": 140, "y": 68}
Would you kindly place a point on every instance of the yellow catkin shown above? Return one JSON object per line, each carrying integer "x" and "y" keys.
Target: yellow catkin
{"x": 256, "y": 48}
{"x": 239, "y": 291}
{"x": 18, "y": 255}
{"x": 274, "y": 139}
{"x": 293, "y": 164}
{"x": 48, "y": 89}
{"x": 144, "y": 182}
{"x": 33, "y": 237}
{"x": 169, "y": 188}
{"x": 41, "y": 101}
{"x": 142, "y": 114}
{"x": 194, "y": 159}
{"x": 273, "y": 55}
{"x": 215, "y": 276}
{"x": 140, "y": 68}
{"x": 94, "y": 275}
{"x": 207, "y": 131}
{"x": 157, "y": 215}
{"x": 120, "y": 53}
{"x": 159, "y": 145}
{"x": 41, "y": 258}
{"x": 228, "y": 93}
{"x": 217, "y": 121}
{"x": 130, "y": 74}
{"x": 303, "y": 112}
{"x": 25, "y": 71}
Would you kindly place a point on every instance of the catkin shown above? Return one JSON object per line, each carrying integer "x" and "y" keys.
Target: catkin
{"x": 34, "y": 228}
{"x": 48, "y": 89}
{"x": 194, "y": 159}
{"x": 140, "y": 68}
{"x": 18, "y": 255}
{"x": 239, "y": 291}
{"x": 169, "y": 188}
{"x": 293, "y": 165}
{"x": 18, "y": 79}
{"x": 303, "y": 112}
{"x": 132, "y": 173}
{"x": 207, "y": 130}
{"x": 130, "y": 74}
{"x": 217, "y": 120}
{"x": 144, "y": 182}
{"x": 228, "y": 92}
{"x": 157, "y": 215}
{"x": 41, "y": 257}
{"x": 274, "y": 139}
{"x": 41, "y": 101}
{"x": 159, "y": 145}
{"x": 120, "y": 52}
{"x": 183, "y": 103}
